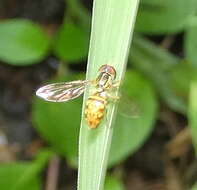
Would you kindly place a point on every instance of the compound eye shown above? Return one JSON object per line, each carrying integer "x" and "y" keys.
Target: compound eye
{"x": 108, "y": 69}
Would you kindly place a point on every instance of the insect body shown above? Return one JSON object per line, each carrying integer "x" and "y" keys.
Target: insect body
{"x": 97, "y": 101}
{"x": 95, "y": 109}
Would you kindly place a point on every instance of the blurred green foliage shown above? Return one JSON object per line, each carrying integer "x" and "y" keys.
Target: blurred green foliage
{"x": 24, "y": 175}
{"x": 12, "y": 174}
{"x": 156, "y": 72}
{"x": 22, "y": 42}
{"x": 113, "y": 183}
{"x": 194, "y": 187}
{"x": 192, "y": 112}
{"x": 164, "y": 16}
{"x": 131, "y": 132}
{"x": 71, "y": 42}
{"x": 59, "y": 123}
{"x": 191, "y": 41}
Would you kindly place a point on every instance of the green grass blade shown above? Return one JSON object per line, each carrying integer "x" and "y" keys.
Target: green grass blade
{"x": 156, "y": 63}
{"x": 112, "y": 28}
{"x": 192, "y": 111}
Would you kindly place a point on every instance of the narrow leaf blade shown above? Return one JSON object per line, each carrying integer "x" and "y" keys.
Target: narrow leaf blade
{"x": 112, "y": 27}
{"x": 193, "y": 112}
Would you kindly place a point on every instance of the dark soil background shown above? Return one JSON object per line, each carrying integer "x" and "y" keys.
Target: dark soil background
{"x": 166, "y": 161}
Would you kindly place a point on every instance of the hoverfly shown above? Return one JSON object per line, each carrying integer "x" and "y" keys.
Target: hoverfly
{"x": 96, "y": 102}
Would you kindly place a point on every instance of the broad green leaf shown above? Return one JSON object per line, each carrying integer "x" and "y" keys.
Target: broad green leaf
{"x": 58, "y": 123}
{"x": 192, "y": 112}
{"x": 190, "y": 42}
{"x": 130, "y": 133}
{"x": 112, "y": 183}
{"x": 71, "y": 42}
{"x": 22, "y": 42}
{"x": 23, "y": 175}
{"x": 164, "y": 16}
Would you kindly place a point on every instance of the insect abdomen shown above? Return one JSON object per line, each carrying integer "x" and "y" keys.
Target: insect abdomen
{"x": 94, "y": 111}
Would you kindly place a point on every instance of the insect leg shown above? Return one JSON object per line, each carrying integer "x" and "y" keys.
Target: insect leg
{"x": 113, "y": 98}
{"x": 116, "y": 84}
{"x": 93, "y": 82}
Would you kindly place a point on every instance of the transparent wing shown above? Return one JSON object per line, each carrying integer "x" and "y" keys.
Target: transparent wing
{"x": 129, "y": 107}
{"x": 62, "y": 92}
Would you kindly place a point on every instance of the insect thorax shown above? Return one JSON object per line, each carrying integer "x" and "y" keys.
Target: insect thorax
{"x": 104, "y": 81}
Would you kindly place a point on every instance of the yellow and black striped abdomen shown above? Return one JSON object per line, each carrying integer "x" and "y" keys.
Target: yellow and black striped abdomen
{"x": 95, "y": 110}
